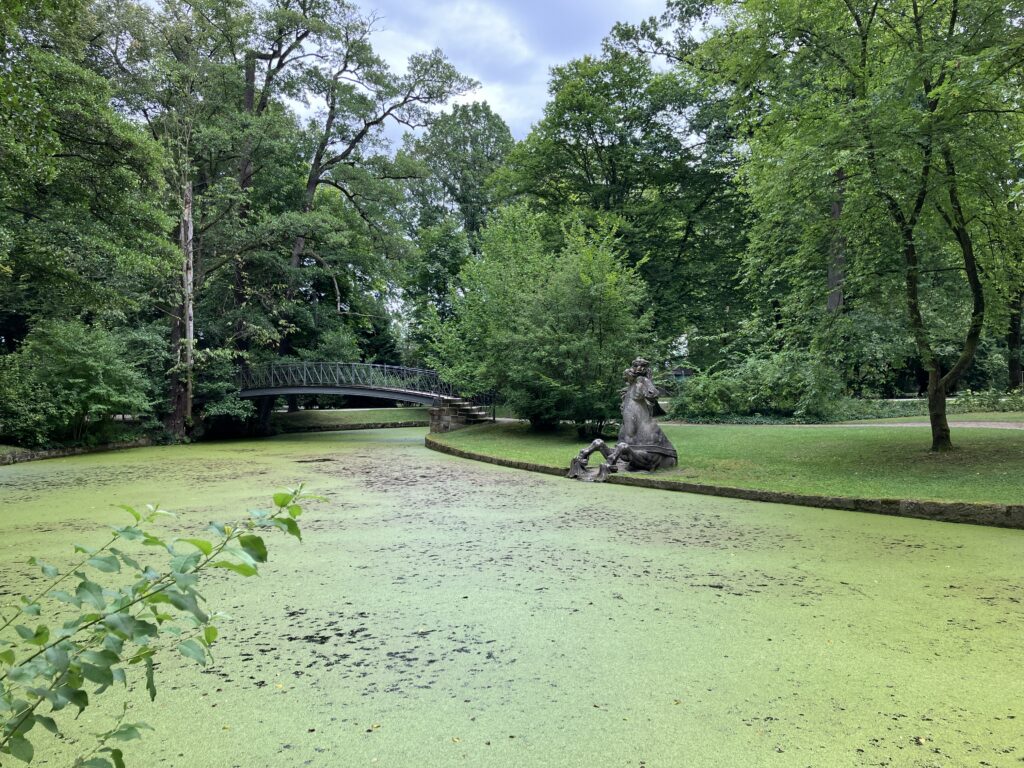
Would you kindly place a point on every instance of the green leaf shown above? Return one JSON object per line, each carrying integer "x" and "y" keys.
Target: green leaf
{"x": 288, "y": 525}
{"x": 254, "y": 547}
{"x": 185, "y": 580}
{"x": 92, "y": 593}
{"x": 102, "y": 676}
{"x": 210, "y": 634}
{"x": 105, "y": 659}
{"x": 243, "y": 569}
{"x": 105, "y": 563}
{"x": 21, "y": 748}
{"x": 127, "y": 559}
{"x": 127, "y": 732}
{"x": 193, "y": 650}
{"x": 49, "y": 724}
{"x": 40, "y": 636}
{"x": 150, "y": 678}
{"x": 130, "y": 511}
{"x": 154, "y": 541}
{"x": 48, "y": 570}
{"x": 185, "y": 563}
{"x": 294, "y": 510}
{"x": 58, "y": 657}
{"x": 201, "y": 544}
{"x": 7, "y": 657}
{"x": 283, "y": 499}
{"x": 185, "y": 601}
{"x": 67, "y": 694}
{"x": 130, "y": 532}
{"x": 65, "y": 597}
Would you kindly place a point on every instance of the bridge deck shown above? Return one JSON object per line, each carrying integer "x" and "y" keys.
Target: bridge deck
{"x": 416, "y": 385}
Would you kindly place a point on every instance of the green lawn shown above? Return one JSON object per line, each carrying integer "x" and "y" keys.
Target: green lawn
{"x": 1014, "y": 416}
{"x": 987, "y": 465}
{"x": 301, "y": 421}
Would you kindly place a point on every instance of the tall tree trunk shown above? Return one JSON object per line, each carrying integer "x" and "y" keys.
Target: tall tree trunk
{"x": 937, "y": 410}
{"x": 837, "y": 249}
{"x": 1013, "y": 341}
{"x": 298, "y": 249}
{"x": 956, "y": 220}
{"x": 245, "y": 173}
{"x": 183, "y": 326}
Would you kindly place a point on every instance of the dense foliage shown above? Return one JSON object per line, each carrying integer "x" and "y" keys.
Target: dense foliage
{"x": 811, "y": 202}
{"x": 546, "y": 330}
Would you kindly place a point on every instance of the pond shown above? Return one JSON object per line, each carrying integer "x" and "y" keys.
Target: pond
{"x": 443, "y": 612}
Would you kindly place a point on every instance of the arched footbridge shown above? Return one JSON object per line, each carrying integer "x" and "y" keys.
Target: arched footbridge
{"x": 393, "y": 382}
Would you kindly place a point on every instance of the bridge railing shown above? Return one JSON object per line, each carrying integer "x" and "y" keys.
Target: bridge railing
{"x": 363, "y": 375}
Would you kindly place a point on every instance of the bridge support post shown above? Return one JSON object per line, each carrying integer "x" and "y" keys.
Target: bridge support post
{"x": 446, "y": 417}
{"x": 451, "y": 413}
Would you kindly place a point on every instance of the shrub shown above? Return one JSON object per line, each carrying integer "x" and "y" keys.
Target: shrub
{"x": 788, "y": 383}
{"x": 65, "y": 383}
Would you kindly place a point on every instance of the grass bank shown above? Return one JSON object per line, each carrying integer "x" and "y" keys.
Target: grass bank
{"x": 317, "y": 420}
{"x": 1003, "y": 416}
{"x": 986, "y": 467}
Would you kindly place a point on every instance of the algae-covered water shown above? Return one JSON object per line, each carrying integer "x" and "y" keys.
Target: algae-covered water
{"x": 442, "y": 612}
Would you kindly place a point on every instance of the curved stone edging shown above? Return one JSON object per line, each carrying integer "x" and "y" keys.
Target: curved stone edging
{"x": 999, "y": 515}
{"x": 145, "y": 442}
{"x": 60, "y": 453}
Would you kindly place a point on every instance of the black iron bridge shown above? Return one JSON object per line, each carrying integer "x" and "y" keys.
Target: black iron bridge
{"x": 393, "y": 382}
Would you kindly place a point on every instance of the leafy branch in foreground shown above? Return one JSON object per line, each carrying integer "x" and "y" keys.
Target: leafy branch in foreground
{"x": 93, "y": 633}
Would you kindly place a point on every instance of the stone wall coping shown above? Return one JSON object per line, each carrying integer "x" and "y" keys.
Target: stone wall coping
{"x": 145, "y": 442}
{"x": 999, "y": 515}
{"x": 59, "y": 453}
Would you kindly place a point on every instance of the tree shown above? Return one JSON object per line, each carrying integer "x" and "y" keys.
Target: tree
{"x": 66, "y": 382}
{"x": 918, "y": 107}
{"x": 461, "y": 149}
{"x": 285, "y": 227}
{"x": 621, "y": 136}
{"x": 548, "y": 332}
{"x": 361, "y": 95}
{"x": 81, "y": 219}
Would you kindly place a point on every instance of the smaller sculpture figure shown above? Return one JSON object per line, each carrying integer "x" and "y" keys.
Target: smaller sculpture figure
{"x": 641, "y": 446}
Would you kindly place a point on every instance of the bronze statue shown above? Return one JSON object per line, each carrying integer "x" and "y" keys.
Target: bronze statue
{"x": 641, "y": 446}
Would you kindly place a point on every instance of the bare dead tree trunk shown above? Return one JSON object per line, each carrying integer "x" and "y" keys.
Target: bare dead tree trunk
{"x": 183, "y": 325}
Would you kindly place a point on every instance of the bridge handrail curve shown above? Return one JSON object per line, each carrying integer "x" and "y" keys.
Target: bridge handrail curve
{"x": 396, "y": 378}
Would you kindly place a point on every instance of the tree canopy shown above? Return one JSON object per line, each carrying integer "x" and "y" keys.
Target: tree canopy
{"x": 797, "y": 202}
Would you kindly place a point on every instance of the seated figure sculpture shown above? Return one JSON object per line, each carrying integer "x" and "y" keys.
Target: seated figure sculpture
{"x": 641, "y": 446}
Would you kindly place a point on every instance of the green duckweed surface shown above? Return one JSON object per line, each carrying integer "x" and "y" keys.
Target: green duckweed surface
{"x": 442, "y": 612}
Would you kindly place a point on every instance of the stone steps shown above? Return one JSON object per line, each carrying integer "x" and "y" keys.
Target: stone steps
{"x": 455, "y": 413}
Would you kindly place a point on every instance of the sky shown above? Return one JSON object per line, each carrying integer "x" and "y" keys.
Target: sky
{"x": 507, "y": 46}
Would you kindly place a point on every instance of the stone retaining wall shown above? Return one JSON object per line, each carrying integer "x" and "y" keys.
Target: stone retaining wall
{"x": 446, "y": 418}
{"x": 1000, "y": 515}
{"x": 57, "y": 453}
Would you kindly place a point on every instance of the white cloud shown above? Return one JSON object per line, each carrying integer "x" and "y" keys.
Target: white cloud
{"x": 507, "y": 45}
